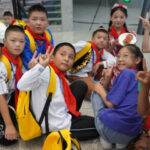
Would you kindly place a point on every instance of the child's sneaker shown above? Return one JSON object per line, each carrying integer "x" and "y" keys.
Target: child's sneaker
{"x": 105, "y": 144}
{"x": 121, "y": 146}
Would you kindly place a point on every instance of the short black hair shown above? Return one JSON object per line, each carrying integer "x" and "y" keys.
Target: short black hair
{"x": 14, "y": 28}
{"x": 58, "y": 46}
{"x": 100, "y": 30}
{"x": 37, "y": 7}
{"x": 8, "y": 13}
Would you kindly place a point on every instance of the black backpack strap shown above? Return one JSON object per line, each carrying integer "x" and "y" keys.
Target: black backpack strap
{"x": 63, "y": 141}
{"x": 45, "y": 113}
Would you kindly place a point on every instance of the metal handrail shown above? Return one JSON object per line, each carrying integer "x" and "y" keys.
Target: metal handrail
{"x": 18, "y": 8}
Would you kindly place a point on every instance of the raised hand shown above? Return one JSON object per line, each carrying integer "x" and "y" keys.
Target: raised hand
{"x": 44, "y": 59}
{"x": 33, "y": 61}
{"x": 145, "y": 21}
{"x": 144, "y": 77}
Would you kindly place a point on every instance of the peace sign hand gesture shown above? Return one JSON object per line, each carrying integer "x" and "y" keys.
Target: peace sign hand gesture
{"x": 145, "y": 21}
{"x": 44, "y": 59}
{"x": 33, "y": 61}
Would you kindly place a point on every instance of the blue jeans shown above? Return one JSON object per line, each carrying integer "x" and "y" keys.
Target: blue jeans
{"x": 105, "y": 132}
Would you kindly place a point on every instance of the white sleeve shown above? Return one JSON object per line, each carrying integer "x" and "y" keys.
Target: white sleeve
{"x": 3, "y": 79}
{"x": 109, "y": 58}
{"x": 33, "y": 78}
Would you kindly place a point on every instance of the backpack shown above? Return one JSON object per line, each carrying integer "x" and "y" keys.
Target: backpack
{"x": 29, "y": 128}
{"x": 32, "y": 40}
{"x": 60, "y": 140}
{"x": 7, "y": 64}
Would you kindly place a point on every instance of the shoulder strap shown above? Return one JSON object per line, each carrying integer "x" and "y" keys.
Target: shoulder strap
{"x": 75, "y": 142}
{"x": 48, "y": 35}
{"x": 31, "y": 41}
{"x": 7, "y": 65}
{"x": 50, "y": 94}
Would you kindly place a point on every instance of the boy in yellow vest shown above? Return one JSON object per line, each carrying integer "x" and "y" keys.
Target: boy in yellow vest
{"x": 10, "y": 20}
{"x": 10, "y": 73}
{"x": 37, "y": 36}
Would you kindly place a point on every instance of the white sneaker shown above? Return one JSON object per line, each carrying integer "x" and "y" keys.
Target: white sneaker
{"x": 105, "y": 144}
{"x": 121, "y": 146}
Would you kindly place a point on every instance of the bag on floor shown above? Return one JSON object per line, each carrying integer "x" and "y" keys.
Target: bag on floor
{"x": 60, "y": 140}
{"x": 29, "y": 128}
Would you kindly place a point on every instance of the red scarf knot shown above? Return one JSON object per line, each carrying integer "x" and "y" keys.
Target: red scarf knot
{"x": 39, "y": 37}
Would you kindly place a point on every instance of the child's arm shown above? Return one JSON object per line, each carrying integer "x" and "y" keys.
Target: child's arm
{"x": 143, "y": 98}
{"x": 10, "y": 130}
{"x": 146, "y": 25}
{"x": 33, "y": 78}
{"x": 101, "y": 91}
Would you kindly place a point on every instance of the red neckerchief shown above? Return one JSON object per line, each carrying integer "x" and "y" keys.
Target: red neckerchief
{"x": 18, "y": 73}
{"x": 69, "y": 98}
{"x": 114, "y": 33}
{"x": 98, "y": 54}
{"x": 39, "y": 37}
{"x": 135, "y": 69}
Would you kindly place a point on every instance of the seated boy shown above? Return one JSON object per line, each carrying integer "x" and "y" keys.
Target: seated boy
{"x": 90, "y": 58}
{"x": 37, "y": 36}
{"x": 63, "y": 112}
{"x": 10, "y": 20}
{"x": 10, "y": 73}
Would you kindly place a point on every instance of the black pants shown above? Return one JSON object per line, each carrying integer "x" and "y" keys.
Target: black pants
{"x": 83, "y": 127}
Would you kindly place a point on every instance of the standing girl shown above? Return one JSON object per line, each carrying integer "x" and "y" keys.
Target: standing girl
{"x": 117, "y": 26}
{"x": 116, "y": 117}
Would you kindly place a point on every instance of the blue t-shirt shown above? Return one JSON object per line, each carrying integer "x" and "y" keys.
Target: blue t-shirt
{"x": 27, "y": 53}
{"x": 124, "y": 95}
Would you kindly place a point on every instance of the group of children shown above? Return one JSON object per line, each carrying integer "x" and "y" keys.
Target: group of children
{"x": 100, "y": 69}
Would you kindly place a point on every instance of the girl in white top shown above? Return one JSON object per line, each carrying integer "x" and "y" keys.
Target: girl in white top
{"x": 66, "y": 102}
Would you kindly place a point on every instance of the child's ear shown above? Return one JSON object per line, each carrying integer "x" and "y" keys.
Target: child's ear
{"x": 27, "y": 21}
{"x": 4, "y": 41}
{"x": 138, "y": 60}
{"x": 52, "y": 57}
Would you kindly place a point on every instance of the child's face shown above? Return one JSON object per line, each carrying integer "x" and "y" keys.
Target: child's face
{"x": 64, "y": 58}
{"x": 126, "y": 59}
{"x": 100, "y": 39}
{"x": 15, "y": 42}
{"x": 118, "y": 19}
{"x": 8, "y": 19}
{"x": 37, "y": 22}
